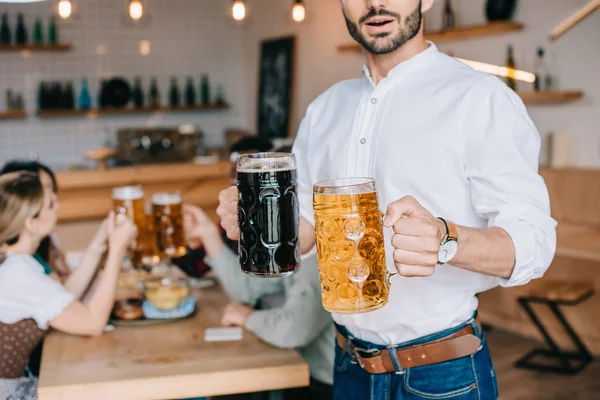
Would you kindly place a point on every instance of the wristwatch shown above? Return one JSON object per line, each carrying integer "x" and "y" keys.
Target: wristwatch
{"x": 449, "y": 245}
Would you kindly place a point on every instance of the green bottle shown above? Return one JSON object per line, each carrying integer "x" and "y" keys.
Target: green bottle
{"x": 38, "y": 32}
{"x": 204, "y": 91}
{"x": 53, "y": 31}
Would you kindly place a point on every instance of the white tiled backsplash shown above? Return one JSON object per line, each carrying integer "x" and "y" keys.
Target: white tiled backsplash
{"x": 187, "y": 38}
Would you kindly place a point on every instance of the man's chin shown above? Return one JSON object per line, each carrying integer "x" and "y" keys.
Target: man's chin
{"x": 379, "y": 46}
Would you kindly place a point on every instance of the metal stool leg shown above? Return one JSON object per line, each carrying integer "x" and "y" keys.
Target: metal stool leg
{"x": 569, "y": 362}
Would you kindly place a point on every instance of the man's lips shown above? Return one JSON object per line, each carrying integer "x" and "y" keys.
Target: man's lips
{"x": 379, "y": 21}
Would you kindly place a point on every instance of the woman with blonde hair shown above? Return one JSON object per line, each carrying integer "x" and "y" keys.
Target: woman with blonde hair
{"x": 30, "y": 300}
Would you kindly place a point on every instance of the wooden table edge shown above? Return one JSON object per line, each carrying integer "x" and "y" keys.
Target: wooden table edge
{"x": 184, "y": 386}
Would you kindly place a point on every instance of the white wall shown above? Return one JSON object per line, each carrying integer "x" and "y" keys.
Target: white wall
{"x": 188, "y": 37}
{"x": 575, "y": 58}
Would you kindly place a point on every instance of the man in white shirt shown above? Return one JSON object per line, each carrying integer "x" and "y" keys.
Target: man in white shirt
{"x": 441, "y": 140}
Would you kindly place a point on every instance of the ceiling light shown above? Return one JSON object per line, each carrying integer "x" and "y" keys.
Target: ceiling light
{"x": 298, "y": 11}
{"x": 238, "y": 10}
{"x": 64, "y": 8}
{"x": 136, "y": 9}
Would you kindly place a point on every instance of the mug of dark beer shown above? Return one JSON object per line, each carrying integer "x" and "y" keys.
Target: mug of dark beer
{"x": 268, "y": 214}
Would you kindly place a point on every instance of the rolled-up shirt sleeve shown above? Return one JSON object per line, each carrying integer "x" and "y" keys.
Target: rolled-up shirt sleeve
{"x": 502, "y": 156}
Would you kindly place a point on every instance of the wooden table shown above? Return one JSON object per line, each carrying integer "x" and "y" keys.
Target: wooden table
{"x": 168, "y": 361}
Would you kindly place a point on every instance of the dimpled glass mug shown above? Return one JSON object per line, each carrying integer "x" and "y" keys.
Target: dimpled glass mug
{"x": 350, "y": 245}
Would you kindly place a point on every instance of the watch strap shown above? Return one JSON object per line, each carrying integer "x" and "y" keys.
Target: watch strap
{"x": 451, "y": 230}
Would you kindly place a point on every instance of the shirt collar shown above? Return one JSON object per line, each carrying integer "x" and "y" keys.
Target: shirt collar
{"x": 417, "y": 60}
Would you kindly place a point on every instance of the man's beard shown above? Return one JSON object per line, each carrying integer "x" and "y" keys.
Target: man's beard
{"x": 412, "y": 25}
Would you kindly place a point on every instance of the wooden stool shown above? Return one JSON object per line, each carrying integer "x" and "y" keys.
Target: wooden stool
{"x": 553, "y": 294}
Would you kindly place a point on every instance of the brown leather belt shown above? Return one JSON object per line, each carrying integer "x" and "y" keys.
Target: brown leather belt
{"x": 460, "y": 344}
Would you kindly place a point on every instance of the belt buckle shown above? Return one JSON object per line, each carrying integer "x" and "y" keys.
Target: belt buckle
{"x": 358, "y": 353}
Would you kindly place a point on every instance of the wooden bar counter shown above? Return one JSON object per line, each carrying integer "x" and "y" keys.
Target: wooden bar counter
{"x": 85, "y": 195}
{"x": 575, "y": 203}
{"x": 168, "y": 361}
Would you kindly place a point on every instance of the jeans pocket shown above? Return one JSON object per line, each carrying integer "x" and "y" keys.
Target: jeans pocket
{"x": 453, "y": 379}
{"x": 341, "y": 360}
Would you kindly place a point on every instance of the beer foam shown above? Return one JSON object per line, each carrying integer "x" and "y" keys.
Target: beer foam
{"x": 267, "y": 162}
{"x": 166, "y": 199}
{"x": 125, "y": 193}
{"x": 261, "y": 167}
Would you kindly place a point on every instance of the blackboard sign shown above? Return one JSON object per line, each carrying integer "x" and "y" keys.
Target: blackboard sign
{"x": 275, "y": 87}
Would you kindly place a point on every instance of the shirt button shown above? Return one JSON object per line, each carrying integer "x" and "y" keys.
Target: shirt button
{"x": 363, "y": 141}
{"x": 373, "y": 100}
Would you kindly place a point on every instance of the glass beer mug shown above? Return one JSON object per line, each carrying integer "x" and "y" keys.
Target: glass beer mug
{"x": 268, "y": 214}
{"x": 350, "y": 245}
{"x": 129, "y": 201}
{"x": 167, "y": 212}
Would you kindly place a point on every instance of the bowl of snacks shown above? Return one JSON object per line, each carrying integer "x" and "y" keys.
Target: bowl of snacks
{"x": 128, "y": 309}
{"x": 165, "y": 293}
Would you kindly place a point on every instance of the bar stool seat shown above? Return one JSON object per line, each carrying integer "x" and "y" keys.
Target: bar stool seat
{"x": 554, "y": 293}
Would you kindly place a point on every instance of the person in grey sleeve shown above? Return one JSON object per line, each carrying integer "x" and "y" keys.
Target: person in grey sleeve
{"x": 300, "y": 323}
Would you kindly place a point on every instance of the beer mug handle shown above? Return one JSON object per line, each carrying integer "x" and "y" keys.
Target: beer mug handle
{"x": 390, "y": 274}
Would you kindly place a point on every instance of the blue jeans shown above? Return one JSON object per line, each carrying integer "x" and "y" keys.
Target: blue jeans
{"x": 466, "y": 378}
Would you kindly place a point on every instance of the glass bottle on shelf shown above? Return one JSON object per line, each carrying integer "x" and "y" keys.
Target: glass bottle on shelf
{"x": 220, "y": 96}
{"x": 204, "y": 91}
{"x": 543, "y": 80}
{"x": 21, "y": 33}
{"x": 174, "y": 96}
{"x": 85, "y": 100}
{"x": 42, "y": 96}
{"x": 449, "y": 16}
{"x": 38, "y": 32}
{"x": 5, "y": 35}
{"x": 154, "y": 94}
{"x": 190, "y": 93}
{"x": 138, "y": 94}
{"x": 511, "y": 82}
{"x": 52, "y": 31}
{"x": 69, "y": 94}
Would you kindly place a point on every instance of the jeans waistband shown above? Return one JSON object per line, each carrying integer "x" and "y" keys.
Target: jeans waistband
{"x": 424, "y": 339}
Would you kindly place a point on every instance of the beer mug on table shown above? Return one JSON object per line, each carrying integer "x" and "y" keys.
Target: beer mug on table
{"x": 268, "y": 214}
{"x": 167, "y": 216}
{"x": 129, "y": 201}
{"x": 350, "y": 245}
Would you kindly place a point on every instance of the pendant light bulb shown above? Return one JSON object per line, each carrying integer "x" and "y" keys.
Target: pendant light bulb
{"x": 65, "y": 8}
{"x": 298, "y": 11}
{"x": 238, "y": 10}
{"x": 136, "y": 9}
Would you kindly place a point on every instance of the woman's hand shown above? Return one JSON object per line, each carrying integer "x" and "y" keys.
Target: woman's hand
{"x": 99, "y": 244}
{"x": 121, "y": 231}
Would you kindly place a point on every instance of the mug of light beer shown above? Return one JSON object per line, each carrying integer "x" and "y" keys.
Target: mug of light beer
{"x": 167, "y": 216}
{"x": 350, "y": 245}
{"x": 129, "y": 201}
{"x": 268, "y": 214}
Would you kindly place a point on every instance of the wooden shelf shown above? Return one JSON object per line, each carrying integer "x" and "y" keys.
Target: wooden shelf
{"x": 465, "y": 32}
{"x": 550, "y": 97}
{"x": 124, "y": 111}
{"x": 37, "y": 47}
{"x": 13, "y": 114}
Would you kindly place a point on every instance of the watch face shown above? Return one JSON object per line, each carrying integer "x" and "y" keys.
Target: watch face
{"x": 447, "y": 251}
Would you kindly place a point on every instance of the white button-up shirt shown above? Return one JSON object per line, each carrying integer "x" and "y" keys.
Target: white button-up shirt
{"x": 460, "y": 142}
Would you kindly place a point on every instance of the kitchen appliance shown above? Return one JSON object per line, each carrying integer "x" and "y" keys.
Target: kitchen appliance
{"x": 158, "y": 145}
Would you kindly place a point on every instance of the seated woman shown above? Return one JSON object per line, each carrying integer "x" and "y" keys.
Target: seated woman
{"x": 48, "y": 253}
{"x": 31, "y": 301}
